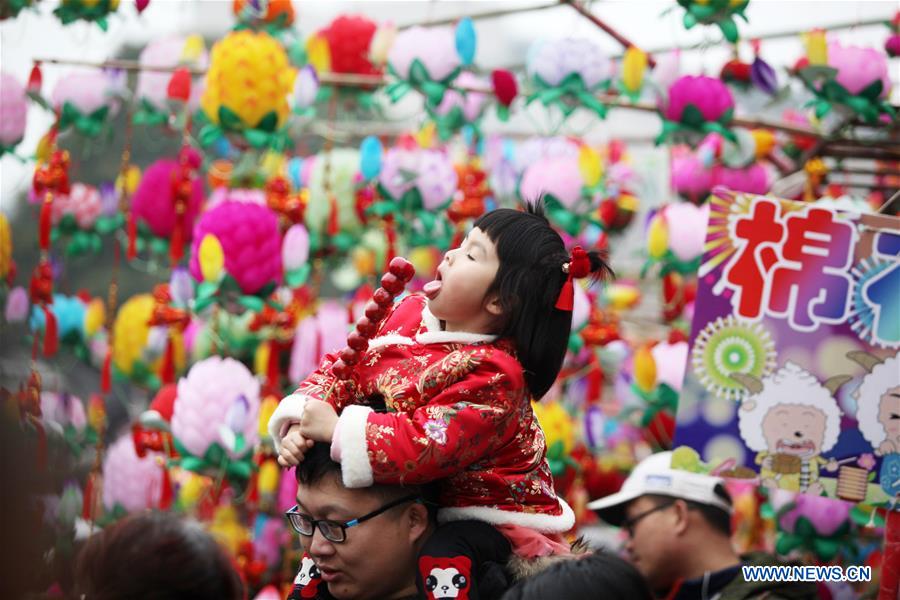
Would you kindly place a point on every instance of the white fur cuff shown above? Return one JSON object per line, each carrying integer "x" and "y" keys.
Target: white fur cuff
{"x": 355, "y": 467}
{"x": 288, "y": 412}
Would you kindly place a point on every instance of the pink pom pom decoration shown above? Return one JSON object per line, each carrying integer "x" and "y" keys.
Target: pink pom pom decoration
{"x": 250, "y": 239}
{"x": 153, "y": 203}
{"x": 13, "y": 111}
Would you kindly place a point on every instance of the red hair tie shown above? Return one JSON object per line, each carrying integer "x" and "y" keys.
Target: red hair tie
{"x": 579, "y": 265}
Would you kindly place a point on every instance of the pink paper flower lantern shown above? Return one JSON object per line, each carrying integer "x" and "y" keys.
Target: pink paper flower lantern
{"x": 435, "y": 178}
{"x": 857, "y": 68}
{"x": 167, "y": 52}
{"x": 690, "y": 178}
{"x": 13, "y": 112}
{"x": 434, "y": 48}
{"x": 250, "y": 239}
{"x": 751, "y": 180}
{"x": 85, "y": 91}
{"x": 130, "y": 481}
{"x": 710, "y": 96}
{"x": 558, "y": 177}
{"x": 82, "y": 202}
{"x": 153, "y": 203}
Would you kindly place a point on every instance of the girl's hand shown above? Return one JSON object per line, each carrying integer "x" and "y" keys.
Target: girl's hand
{"x": 318, "y": 421}
{"x": 293, "y": 447}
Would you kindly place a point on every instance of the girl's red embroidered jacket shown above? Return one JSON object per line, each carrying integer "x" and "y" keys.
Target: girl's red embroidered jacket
{"x": 459, "y": 412}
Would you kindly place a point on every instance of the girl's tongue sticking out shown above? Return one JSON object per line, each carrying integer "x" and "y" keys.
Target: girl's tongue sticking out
{"x": 433, "y": 288}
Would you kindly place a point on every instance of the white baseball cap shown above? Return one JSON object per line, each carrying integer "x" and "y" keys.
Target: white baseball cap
{"x": 655, "y": 475}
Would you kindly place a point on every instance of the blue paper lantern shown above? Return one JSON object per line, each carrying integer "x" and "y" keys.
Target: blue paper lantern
{"x": 370, "y": 157}
{"x": 465, "y": 41}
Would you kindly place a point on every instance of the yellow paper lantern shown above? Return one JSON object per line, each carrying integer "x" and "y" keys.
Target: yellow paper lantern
{"x": 268, "y": 478}
{"x": 266, "y": 409}
{"x": 94, "y": 317}
{"x": 228, "y": 529}
{"x": 764, "y": 140}
{"x": 212, "y": 258}
{"x": 272, "y": 164}
{"x": 261, "y": 359}
{"x": 130, "y": 331}
{"x": 5, "y": 246}
{"x": 130, "y": 180}
{"x": 816, "y": 47}
{"x": 644, "y": 369}
{"x": 634, "y": 64}
{"x": 363, "y": 261}
{"x": 250, "y": 75}
{"x": 556, "y": 423}
{"x": 627, "y": 202}
{"x": 590, "y": 166}
{"x": 193, "y": 49}
{"x": 657, "y": 237}
{"x": 318, "y": 53}
{"x": 425, "y": 260}
{"x": 427, "y": 135}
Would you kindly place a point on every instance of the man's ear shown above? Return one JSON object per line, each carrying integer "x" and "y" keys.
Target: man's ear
{"x": 493, "y": 305}
{"x": 681, "y": 510}
{"x": 417, "y": 516}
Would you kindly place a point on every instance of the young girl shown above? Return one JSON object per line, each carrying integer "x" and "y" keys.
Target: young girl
{"x": 457, "y": 369}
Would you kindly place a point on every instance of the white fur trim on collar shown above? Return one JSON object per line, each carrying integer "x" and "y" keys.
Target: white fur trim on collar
{"x": 355, "y": 468}
{"x": 387, "y": 340}
{"x": 432, "y": 323}
{"x": 540, "y": 522}
{"x": 434, "y": 334}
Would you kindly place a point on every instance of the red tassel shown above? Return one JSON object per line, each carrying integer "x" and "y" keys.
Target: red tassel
{"x": 46, "y": 223}
{"x": 35, "y": 79}
{"x": 566, "y": 299}
{"x": 132, "y": 237}
{"x": 332, "y": 215}
{"x": 273, "y": 369}
{"x": 166, "y": 495}
{"x": 51, "y": 333}
{"x": 167, "y": 369}
{"x": 176, "y": 245}
{"x": 594, "y": 384}
{"x": 87, "y": 503}
{"x": 253, "y": 489}
{"x": 579, "y": 266}
{"x": 106, "y": 372}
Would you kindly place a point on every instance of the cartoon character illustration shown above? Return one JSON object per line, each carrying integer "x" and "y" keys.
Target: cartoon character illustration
{"x": 878, "y": 414}
{"x": 448, "y": 577}
{"x": 790, "y": 419}
{"x": 307, "y": 580}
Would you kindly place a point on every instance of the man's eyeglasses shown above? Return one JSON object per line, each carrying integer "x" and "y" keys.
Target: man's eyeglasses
{"x": 629, "y": 524}
{"x": 336, "y": 531}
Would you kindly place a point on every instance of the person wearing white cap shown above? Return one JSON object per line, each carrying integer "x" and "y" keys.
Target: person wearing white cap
{"x": 678, "y": 530}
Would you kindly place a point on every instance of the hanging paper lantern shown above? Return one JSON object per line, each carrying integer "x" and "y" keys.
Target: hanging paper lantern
{"x": 5, "y": 247}
{"x": 306, "y": 90}
{"x": 718, "y": 12}
{"x": 370, "y": 153}
{"x": 737, "y": 72}
{"x": 349, "y": 38}
{"x": 418, "y": 178}
{"x": 250, "y": 239}
{"x": 214, "y": 420}
{"x": 568, "y": 72}
{"x": 130, "y": 334}
{"x": 131, "y": 482}
{"x": 752, "y": 180}
{"x": 153, "y": 203}
{"x": 86, "y": 10}
{"x": 687, "y": 230}
{"x": 331, "y": 179}
{"x": 69, "y": 312}
{"x": 459, "y": 108}
{"x": 689, "y": 177}
{"x": 425, "y": 59}
{"x": 82, "y": 101}
{"x": 816, "y": 524}
{"x": 856, "y": 78}
{"x": 697, "y": 104}
{"x": 63, "y": 410}
{"x": 277, "y": 13}
{"x": 16, "y": 305}
{"x": 559, "y": 178}
{"x": 671, "y": 361}
{"x": 892, "y": 45}
{"x": 13, "y": 113}
{"x": 152, "y": 86}
{"x": 247, "y": 88}
{"x": 634, "y": 64}
{"x": 82, "y": 203}
{"x": 381, "y": 43}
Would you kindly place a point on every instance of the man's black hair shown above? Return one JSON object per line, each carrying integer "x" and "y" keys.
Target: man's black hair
{"x": 717, "y": 518}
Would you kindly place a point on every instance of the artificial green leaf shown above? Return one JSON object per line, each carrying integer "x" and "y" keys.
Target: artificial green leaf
{"x": 228, "y": 119}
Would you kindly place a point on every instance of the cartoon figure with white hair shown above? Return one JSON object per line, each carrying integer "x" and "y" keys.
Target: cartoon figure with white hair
{"x": 790, "y": 419}
{"x": 878, "y": 415}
